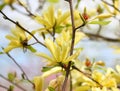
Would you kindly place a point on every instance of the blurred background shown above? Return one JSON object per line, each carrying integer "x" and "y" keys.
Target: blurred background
{"x": 92, "y": 48}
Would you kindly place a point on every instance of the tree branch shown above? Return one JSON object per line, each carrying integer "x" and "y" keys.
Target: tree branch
{"x": 29, "y": 12}
{"x": 87, "y": 75}
{"x": 101, "y": 37}
{"x": 72, "y": 46}
{"x": 17, "y": 23}
{"x": 19, "y": 68}
{"x": 4, "y": 87}
{"x": 110, "y": 5}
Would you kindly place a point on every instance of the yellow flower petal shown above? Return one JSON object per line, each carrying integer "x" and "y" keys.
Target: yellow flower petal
{"x": 18, "y": 32}
{"x": 79, "y": 36}
{"x": 65, "y": 52}
{"x": 38, "y": 81}
{"x": 49, "y": 59}
{"x": 72, "y": 57}
{"x": 82, "y": 88}
{"x": 49, "y": 15}
{"x": 52, "y": 71}
{"x": 107, "y": 8}
{"x": 10, "y": 37}
{"x": 118, "y": 68}
{"x": 103, "y": 16}
{"x": 42, "y": 21}
{"x": 51, "y": 47}
{"x": 62, "y": 18}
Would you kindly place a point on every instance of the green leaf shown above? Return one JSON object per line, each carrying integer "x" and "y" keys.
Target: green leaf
{"x": 2, "y": 6}
{"x": 53, "y": 1}
{"x": 100, "y": 22}
{"x": 11, "y": 76}
{"x": 44, "y": 69}
{"x": 59, "y": 29}
{"x": 51, "y": 89}
{"x": 1, "y": 52}
{"x": 31, "y": 49}
{"x": 11, "y": 88}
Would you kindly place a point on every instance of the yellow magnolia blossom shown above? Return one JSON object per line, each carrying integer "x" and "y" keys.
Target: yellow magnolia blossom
{"x": 60, "y": 49}
{"x": 39, "y": 80}
{"x": 57, "y": 22}
{"x": 17, "y": 39}
{"x": 51, "y": 21}
{"x": 105, "y": 80}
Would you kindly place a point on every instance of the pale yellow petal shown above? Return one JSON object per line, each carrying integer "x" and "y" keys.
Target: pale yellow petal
{"x": 103, "y": 16}
{"x": 42, "y": 21}
{"x": 82, "y": 88}
{"x": 52, "y": 71}
{"x": 58, "y": 54}
{"x": 10, "y": 37}
{"x": 38, "y": 81}
{"x": 107, "y": 7}
{"x": 118, "y": 68}
{"x": 62, "y": 18}
{"x": 109, "y": 82}
{"x": 79, "y": 36}
{"x": 51, "y": 47}
{"x": 59, "y": 12}
{"x": 65, "y": 52}
{"x": 10, "y": 47}
{"x": 19, "y": 33}
{"x": 49, "y": 15}
{"x": 45, "y": 56}
{"x": 72, "y": 57}
{"x": 77, "y": 18}
{"x": 116, "y": 4}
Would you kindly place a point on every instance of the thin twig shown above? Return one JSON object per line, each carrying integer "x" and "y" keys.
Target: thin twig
{"x": 53, "y": 35}
{"x": 99, "y": 30}
{"x": 66, "y": 78}
{"x": 74, "y": 67}
{"x": 29, "y": 12}
{"x": 32, "y": 44}
{"x": 28, "y": 4}
{"x": 19, "y": 68}
{"x": 12, "y": 83}
{"x": 71, "y": 82}
{"x": 73, "y": 27}
{"x": 101, "y": 37}
{"x": 49, "y": 32}
{"x": 83, "y": 24}
{"x": 72, "y": 46}
{"x": 110, "y": 5}
{"x": 41, "y": 3}
{"x": 17, "y": 23}
{"x": 14, "y": 8}
{"x": 4, "y": 87}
